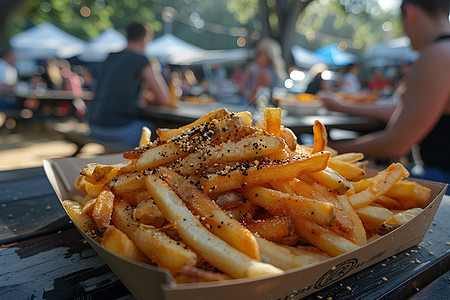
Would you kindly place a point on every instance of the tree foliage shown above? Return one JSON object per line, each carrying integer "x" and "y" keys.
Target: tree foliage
{"x": 86, "y": 18}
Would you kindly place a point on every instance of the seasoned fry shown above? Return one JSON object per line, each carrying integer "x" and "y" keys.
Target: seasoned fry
{"x": 147, "y": 212}
{"x": 160, "y": 155}
{"x": 281, "y": 257}
{"x": 281, "y": 204}
{"x": 332, "y": 180}
{"x": 358, "y": 231}
{"x": 272, "y": 120}
{"x": 167, "y": 134}
{"x": 373, "y": 216}
{"x": 99, "y": 174}
{"x": 219, "y": 222}
{"x": 380, "y": 184}
{"x": 252, "y": 175}
{"x": 346, "y": 170}
{"x": 145, "y": 137}
{"x": 119, "y": 243}
{"x": 161, "y": 249}
{"x": 410, "y": 193}
{"x": 74, "y": 210}
{"x": 350, "y": 157}
{"x": 322, "y": 237}
{"x": 273, "y": 229}
{"x": 228, "y": 152}
{"x": 103, "y": 208}
{"x": 210, "y": 247}
{"x": 320, "y": 137}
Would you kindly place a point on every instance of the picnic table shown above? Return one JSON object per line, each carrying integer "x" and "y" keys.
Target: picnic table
{"x": 43, "y": 256}
{"x": 186, "y": 113}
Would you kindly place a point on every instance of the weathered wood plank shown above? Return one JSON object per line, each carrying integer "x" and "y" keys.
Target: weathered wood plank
{"x": 31, "y": 217}
{"x": 55, "y": 266}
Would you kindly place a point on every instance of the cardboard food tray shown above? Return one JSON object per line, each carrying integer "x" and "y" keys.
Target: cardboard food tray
{"x": 148, "y": 282}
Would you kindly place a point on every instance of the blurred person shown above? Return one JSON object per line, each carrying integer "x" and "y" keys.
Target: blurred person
{"x": 8, "y": 71}
{"x": 349, "y": 83}
{"x": 378, "y": 83}
{"x": 236, "y": 75}
{"x": 217, "y": 78}
{"x": 423, "y": 115}
{"x": 318, "y": 83}
{"x": 113, "y": 114}
{"x": 8, "y": 77}
{"x": 267, "y": 70}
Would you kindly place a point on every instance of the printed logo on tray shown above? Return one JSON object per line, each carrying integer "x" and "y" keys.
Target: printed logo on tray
{"x": 336, "y": 273}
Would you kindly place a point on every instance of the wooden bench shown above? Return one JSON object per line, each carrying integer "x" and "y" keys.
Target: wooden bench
{"x": 81, "y": 138}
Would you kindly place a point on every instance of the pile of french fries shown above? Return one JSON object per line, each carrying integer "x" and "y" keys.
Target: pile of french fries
{"x": 225, "y": 198}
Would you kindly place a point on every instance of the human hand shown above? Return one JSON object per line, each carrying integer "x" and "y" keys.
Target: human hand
{"x": 329, "y": 100}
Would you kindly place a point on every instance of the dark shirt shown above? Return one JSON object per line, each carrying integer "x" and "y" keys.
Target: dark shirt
{"x": 118, "y": 88}
{"x": 315, "y": 85}
{"x": 435, "y": 148}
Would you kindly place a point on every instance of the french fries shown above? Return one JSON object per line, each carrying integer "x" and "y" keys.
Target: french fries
{"x": 224, "y": 198}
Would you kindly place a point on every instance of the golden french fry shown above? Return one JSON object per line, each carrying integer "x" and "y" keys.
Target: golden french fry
{"x": 147, "y": 212}
{"x": 410, "y": 193}
{"x": 103, "y": 208}
{"x": 159, "y": 155}
{"x": 282, "y": 257}
{"x": 350, "y": 157}
{"x": 88, "y": 188}
{"x": 332, "y": 180}
{"x": 273, "y": 229}
{"x": 219, "y": 222}
{"x": 323, "y": 238}
{"x": 167, "y": 134}
{"x": 320, "y": 137}
{"x": 245, "y": 149}
{"x": 118, "y": 242}
{"x": 380, "y": 184}
{"x": 346, "y": 170}
{"x": 214, "y": 250}
{"x": 127, "y": 183}
{"x": 99, "y": 174}
{"x": 161, "y": 249}
{"x": 272, "y": 120}
{"x": 289, "y": 137}
{"x": 404, "y": 217}
{"x": 75, "y": 212}
{"x": 358, "y": 231}
{"x": 343, "y": 221}
{"x": 234, "y": 179}
{"x": 281, "y": 204}
{"x": 373, "y": 216}
{"x": 389, "y": 202}
{"x": 145, "y": 137}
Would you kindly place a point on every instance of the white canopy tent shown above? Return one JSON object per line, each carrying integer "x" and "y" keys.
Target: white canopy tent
{"x": 106, "y": 42}
{"x": 210, "y": 57}
{"x": 391, "y": 52}
{"x": 169, "y": 47}
{"x": 44, "y": 41}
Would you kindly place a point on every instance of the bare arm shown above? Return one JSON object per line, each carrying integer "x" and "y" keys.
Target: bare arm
{"x": 245, "y": 80}
{"x": 379, "y": 112}
{"x": 426, "y": 99}
{"x": 263, "y": 79}
{"x": 156, "y": 84}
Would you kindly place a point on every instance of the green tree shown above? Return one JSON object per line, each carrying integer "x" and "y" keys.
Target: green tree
{"x": 86, "y": 18}
{"x": 284, "y": 19}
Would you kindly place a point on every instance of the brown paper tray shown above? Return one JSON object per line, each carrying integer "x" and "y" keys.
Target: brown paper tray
{"x": 148, "y": 282}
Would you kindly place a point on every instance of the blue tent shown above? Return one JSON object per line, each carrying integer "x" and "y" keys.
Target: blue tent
{"x": 305, "y": 58}
{"x": 334, "y": 56}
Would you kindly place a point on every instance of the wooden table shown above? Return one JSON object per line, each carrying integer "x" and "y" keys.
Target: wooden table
{"x": 188, "y": 112}
{"x": 42, "y": 256}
